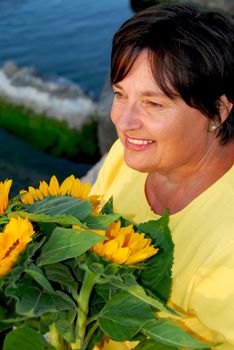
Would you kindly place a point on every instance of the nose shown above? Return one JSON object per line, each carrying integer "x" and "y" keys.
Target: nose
{"x": 126, "y": 118}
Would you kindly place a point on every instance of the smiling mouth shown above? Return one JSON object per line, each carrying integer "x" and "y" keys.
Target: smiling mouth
{"x": 139, "y": 142}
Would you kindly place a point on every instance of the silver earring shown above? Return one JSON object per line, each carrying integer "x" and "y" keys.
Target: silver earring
{"x": 212, "y": 126}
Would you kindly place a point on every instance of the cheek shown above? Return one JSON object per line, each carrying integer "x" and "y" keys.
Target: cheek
{"x": 171, "y": 139}
{"x": 165, "y": 129}
{"x": 114, "y": 114}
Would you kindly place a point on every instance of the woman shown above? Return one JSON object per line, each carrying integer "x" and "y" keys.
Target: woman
{"x": 172, "y": 75}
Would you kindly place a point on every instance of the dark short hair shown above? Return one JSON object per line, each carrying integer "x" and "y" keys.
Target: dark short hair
{"x": 191, "y": 54}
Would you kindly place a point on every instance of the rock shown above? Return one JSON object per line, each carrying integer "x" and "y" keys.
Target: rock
{"x": 57, "y": 98}
{"x": 55, "y": 86}
{"x": 9, "y": 69}
{"x": 106, "y": 130}
{"x": 226, "y": 6}
{"x": 223, "y": 5}
{"x": 92, "y": 174}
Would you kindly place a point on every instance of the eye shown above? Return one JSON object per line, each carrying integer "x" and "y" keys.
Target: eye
{"x": 152, "y": 103}
{"x": 118, "y": 94}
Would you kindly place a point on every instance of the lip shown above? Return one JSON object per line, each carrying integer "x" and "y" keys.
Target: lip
{"x": 137, "y": 144}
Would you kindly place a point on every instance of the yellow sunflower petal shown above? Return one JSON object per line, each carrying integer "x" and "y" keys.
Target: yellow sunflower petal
{"x": 96, "y": 201}
{"x": 75, "y": 191}
{"x": 136, "y": 241}
{"x": 27, "y": 198}
{"x": 110, "y": 248}
{"x": 124, "y": 245}
{"x": 141, "y": 256}
{"x": 4, "y": 193}
{"x": 37, "y": 195}
{"x": 13, "y": 240}
{"x": 121, "y": 255}
{"x": 7, "y": 184}
{"x": 146, "y": 243}
{"x": 66, "y": 185}
{"x": 44, "y": 188}
{"x": 99, "y": 232}
{"x": 71, "y": 186}
{"x": 99, "y": 248}
{"x": 113, "y": 229}
{"x": 120, "y": 238}
{"x": 116, "y": 229}
{"x": 54, "y": 186}
{"x": 84, "y": 190}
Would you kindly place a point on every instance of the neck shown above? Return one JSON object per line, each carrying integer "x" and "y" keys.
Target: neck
{"x": 175, "y": 189}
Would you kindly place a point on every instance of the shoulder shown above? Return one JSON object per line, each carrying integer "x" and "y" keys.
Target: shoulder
{"x": 114, "y": 161}
{"x": 115, "y": 155}
{"x": 212, "y": 292}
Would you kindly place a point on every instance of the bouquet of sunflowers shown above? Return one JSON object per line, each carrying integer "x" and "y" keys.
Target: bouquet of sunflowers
{"x": 73, "y": 276}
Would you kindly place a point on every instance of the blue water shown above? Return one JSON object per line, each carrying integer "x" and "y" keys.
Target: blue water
{"x": 67, "y": 38}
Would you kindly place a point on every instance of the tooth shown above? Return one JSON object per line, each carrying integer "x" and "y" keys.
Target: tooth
{"x": 139, "y": 142}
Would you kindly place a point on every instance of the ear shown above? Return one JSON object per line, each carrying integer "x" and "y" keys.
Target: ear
{"x": 225, "y": 107}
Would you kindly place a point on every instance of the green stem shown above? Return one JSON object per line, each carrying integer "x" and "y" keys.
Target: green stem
{"x": 90, "y": 280}
{"x": 89, "y": 335}
{"x": 54, "y": 337}
{"x": 91, "y": 319}
{"x": 57, "y": 340}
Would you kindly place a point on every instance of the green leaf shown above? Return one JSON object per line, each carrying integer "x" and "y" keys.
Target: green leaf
{"x": 137, "y": 291}
{"x": 38, "y": 324}
{"x": 122, "y": 317}
{"x": 65, "y": 325}
{"x": 108, "y": 207}
{"x": 67, "y": 243}
{"x": 96, "y": 338}
{"x": 14, "y": 203}
{"x": 100, "y": 222}
{"x": 33, "y": 302}
{"x": 61, "y": 274}
{"x": 150, "y": 344}
{"x": 101, "y": 294}
{"x": 35, "y": 246}
{"x": 64, "y": 220}
{"x": 36, "y": 273}
{"x": 157, "y": 275}
{"x": 4, "y": 327}
{"x": 4, "y": 219}
{"x": 25, "y": 338}
{"x": 49, "y": 318}
{"x": 3, "y": 312}
{"x": 170, "y": 334}
{"x": 59, "y": 205}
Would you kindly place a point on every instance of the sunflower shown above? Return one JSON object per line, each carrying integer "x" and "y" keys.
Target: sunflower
{"x": 4, "y": 193}
{"x": 123, "y": 245}
{"x": 71, "y": 186}
{"x": 13, "y": 240}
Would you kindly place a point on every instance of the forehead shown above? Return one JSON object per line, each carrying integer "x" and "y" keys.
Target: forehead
{"x": 140, "y": 76}
{"x": 141, "y": 65}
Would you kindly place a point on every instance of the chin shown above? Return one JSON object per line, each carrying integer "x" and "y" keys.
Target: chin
{"x": 138, "y": 166}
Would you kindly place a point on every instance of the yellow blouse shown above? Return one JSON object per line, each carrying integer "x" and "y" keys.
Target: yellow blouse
{"x": 203, "y": 234}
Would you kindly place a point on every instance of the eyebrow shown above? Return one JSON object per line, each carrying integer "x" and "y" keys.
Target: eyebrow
{"x": 144, "y": 93}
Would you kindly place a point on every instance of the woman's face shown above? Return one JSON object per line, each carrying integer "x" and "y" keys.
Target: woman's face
{"x": 158, "y": 134}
